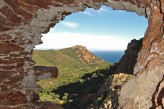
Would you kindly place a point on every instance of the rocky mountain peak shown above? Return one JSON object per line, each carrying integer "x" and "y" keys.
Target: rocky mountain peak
{"x": 83, "y": 54}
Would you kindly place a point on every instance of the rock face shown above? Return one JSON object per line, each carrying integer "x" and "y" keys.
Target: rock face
{"x": 45, "y": 72}
{"x": 142, "y": 93}
{"x": 23, "y": 21}
{"x": 129, "y": 59}
{"x": 84, "y": 55}
{"x": 110, "y": 88}
{"x": 116, "y": 81}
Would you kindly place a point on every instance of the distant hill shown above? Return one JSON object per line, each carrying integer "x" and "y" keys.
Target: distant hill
{"x": 72, "y": 63}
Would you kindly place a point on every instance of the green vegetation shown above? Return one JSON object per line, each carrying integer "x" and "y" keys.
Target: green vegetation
{"x": 80, "y": 73}
{"x": 74, "y": 95}
{"x": 71, "y": 62}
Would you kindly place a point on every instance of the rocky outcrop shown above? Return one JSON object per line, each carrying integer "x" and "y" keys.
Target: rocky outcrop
{"x": 83, "y": 54}
{"x": 45, "y": 72}
{"x": 129, "y": 59}
{"x": 145, "y": 92}
{"x": 116, "y": 81}
{"x": 86, "y": 56}
{"x": 158, "y": 96}
{"x": 108, "y": 92}
{"x": 23, "y": 21}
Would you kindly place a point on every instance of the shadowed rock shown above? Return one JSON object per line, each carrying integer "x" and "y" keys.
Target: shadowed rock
{"x": 45, "y": 72}
{"x": 129, "y": 59}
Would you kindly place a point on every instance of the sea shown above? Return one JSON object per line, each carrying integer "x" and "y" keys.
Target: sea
{"x": 109, "y": 56}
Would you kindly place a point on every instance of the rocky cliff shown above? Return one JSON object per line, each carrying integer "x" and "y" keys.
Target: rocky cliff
{"x": 23, "y": 21}
{"x": 83, "y": 54}
{"x": 108, "y": 93}
{"x": 129, "y": 59}
{"x": 45, "y": 72}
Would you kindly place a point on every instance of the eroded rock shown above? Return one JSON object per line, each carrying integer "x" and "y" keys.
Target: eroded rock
{"x": 138, "y": 92}
{"x": 129, "y": 59}
{"x": 45, "y": 72}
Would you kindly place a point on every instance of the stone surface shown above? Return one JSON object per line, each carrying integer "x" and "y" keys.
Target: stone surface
{"x": 109, "y": 91}
{"x": 45, "y": 72}
{"x": 138, "y": 92}
{"x": 158, "y": 96}
{"x": 23, "y": 21}
{"x": 129, "y": 59}
{"x": 113, "y": 86}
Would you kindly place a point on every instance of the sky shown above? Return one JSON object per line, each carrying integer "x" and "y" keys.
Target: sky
{"x": 104, "y": 29}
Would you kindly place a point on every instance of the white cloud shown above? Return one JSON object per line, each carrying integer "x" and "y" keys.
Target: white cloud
{"x": 88, "y": 12}
{"x": 93, "y": 13}
{"x": 103, "y": 9}
{"x": 70, "y": 24}
{"x": 92, "y": 42}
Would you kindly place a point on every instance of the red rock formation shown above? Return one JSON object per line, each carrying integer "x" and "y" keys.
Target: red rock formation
{"x": 158, "y": 96}
{"x": 85, "y": 56}
{"x": 129, "y": 59}
{"x": 23, "y": 21}
{"x": 45, "y": 72}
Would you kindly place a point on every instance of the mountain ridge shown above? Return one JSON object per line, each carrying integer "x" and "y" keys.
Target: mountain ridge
{"x": 72, "y": 62}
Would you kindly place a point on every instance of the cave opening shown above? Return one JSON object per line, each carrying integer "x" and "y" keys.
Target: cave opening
{"x": 98, "y": 30}
{"x": 104, "y": 32}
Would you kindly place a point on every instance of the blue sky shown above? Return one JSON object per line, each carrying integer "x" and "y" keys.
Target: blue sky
{"x": 103, "y": 29}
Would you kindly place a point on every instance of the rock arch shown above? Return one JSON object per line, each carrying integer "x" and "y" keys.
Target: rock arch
{"x": 23, "y": 21}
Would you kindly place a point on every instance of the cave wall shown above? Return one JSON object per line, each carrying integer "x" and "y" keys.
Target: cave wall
{"x": 23, "y": 21}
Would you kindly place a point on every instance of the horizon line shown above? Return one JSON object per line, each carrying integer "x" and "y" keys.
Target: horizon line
{"x": 87, "y": 48}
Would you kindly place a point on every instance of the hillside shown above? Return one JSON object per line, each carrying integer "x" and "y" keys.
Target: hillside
{"x": 83, "y": 80}
{"x": 72, "y": 64}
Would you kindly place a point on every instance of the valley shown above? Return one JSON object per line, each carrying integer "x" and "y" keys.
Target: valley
{"x": 79, "y": 73}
